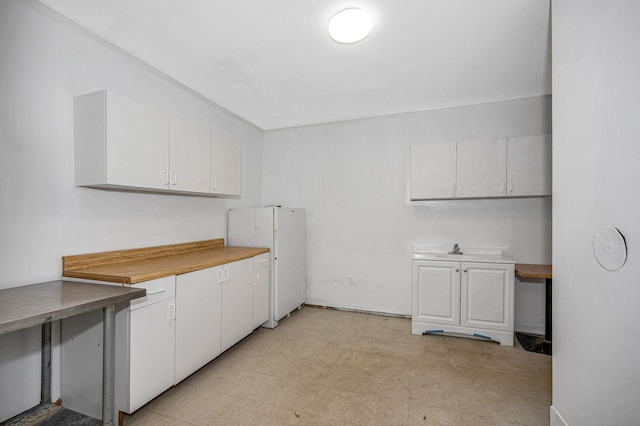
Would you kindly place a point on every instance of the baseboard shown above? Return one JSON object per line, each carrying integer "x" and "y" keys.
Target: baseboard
{"x": 530, "y": 328}
{"x": 555, "y": 418}
{"x": 360, "y": 311}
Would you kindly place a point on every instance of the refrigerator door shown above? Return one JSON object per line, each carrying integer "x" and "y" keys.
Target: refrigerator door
{"x": 289, "y": 261}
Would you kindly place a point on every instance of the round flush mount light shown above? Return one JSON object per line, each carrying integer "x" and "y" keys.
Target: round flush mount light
{"x": 350, "y": 26}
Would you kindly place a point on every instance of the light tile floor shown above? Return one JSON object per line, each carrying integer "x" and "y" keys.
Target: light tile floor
{"x": 328, "y": 367}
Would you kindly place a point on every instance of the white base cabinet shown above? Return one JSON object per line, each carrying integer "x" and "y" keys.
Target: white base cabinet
{"x": 474, "y": 299}
{"x": 182, "y": 323}
{"x": 198, "y": 318}
{"x": 260, "y": 289}
{"x": 237, "y": 302}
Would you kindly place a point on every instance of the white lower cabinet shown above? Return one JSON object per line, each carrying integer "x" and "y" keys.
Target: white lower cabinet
{"x": 465, "y": 298}
{"x": 198, "y": 317}
{"x": 145, "y": 345}
{"x": 237, "y": 302}
{"x": 260, "y": 289}
{"x": 182, "y": 323}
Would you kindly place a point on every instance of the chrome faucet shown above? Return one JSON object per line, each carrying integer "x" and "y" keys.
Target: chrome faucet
{"x": 456, "y": 250}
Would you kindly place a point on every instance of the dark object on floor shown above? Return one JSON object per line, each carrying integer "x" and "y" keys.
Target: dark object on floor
{"x": 534, "y": 343}
{"x": 51, "y": 415}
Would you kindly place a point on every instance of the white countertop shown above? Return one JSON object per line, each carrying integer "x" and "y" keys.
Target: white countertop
{"x": 489, "y": 255}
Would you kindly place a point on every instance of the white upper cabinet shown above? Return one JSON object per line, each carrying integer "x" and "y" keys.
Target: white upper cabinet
{"x": 529, "y": 165}
{"x": 492, "y": 168}
{"x": 226, "y": 165}
{"x": 189, "y": 152}
{"x": 480, "y": 170}
{"x": 433, "y": 171}
{"x": 119, "y": 142}
{"x": 122, "y": 144}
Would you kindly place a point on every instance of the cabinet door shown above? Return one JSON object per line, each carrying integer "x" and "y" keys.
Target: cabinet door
{"x": 436, "y": 292}
{"x": 152, "y": 345}
{"x": 189, "y": 156}
{"x": 137, "y": 144}
{"x": 433, "y": 171}
{"x": 198, "y": 317}
{"x": 529, "y": 165}
{"x": 226, "y": 165}
{"x": 487, "y": 296}
{"x": 260, "y": 297}
{"x": 237, "y": 302}
{"x": 481, "y": 168}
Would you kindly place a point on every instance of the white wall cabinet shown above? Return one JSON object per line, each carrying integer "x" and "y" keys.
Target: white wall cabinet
{"x": 198, "y": 318}
{"x": 492, "y": 168}
{"x": 189, "y": 152}
{"x": 122, "y": 144}
{"x": 260, "y": 289}
{"x": 237, "y": 302}
{"x": 466, "y": 298}
{"x": 481, "y": 168}
{"x": 433, "y": 171}
{"x": 226, "y": 165}
{"x": 529, "y": 165}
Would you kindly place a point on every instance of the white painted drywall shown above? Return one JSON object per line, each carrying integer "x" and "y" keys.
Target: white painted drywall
{"x": 596, "y": 152}
{"x": 353, "y": 179}
{"x": 46, "y": 60}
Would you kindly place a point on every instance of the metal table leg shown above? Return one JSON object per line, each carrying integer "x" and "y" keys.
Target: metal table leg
{"x": 108, "y": 363}
{"x": 45, "y": 365}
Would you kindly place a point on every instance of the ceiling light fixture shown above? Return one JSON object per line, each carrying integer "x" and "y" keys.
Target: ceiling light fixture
{"x": 350, "y": 26}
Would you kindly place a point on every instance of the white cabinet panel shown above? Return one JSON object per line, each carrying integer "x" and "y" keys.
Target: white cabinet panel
{"x": 124, "y": 145}
{"x": 485, "y": 296}
{"x": 529, "y": 165}
{"x": 237, "y": 302}
{"x": 190, "y": 151}
{"x": 433, "y": 171}
{"x": 198, "y": 319}
{"x": 466, "y": 298}
{"x": 481, "y": 168}
{"x": 151, "y": 351}
{"x": 260, "y": 289}
{"x": 226, "y": 165}
{"x": 436, "y": 295}
{"x": 120, "y": 142}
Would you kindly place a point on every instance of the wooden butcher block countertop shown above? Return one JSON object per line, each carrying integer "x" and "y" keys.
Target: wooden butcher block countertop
{"x": 144, "y": 264}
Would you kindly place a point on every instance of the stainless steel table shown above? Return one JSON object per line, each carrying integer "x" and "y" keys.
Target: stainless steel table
{"x": 40, "y": 304}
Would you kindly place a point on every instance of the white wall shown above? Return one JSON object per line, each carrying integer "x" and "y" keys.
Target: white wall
{"x": 45, "y": 61}
{"x": 353, "y": 179}
{"x": 596, "y": 110}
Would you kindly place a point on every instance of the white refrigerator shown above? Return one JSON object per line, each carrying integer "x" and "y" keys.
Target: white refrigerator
{"x": 283, "y": 231}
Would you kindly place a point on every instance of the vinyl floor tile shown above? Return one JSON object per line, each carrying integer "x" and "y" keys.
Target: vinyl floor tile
{"x": 329, "y": 367}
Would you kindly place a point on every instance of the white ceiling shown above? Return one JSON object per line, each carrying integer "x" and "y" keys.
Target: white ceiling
{"x": 273, "y": 63}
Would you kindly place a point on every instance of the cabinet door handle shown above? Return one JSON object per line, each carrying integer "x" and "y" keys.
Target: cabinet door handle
{"x": 172, "y": 311}
{"x": 262, "y": 261}
{"x": 453, "y": 189}
{"x": 165, "y": 177}
{"x": 174, "y": 178}
{"x": 226, "y": 274}
{"x": 220, "y": 276}
{"x": 214, "y": 183}
{"x": 457, "y": 269}
{"x": 464, "y": 270}
{"x": 511, "y": 186}
{"x": 256, "y": 279}
{"x": 150, "y": 293}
